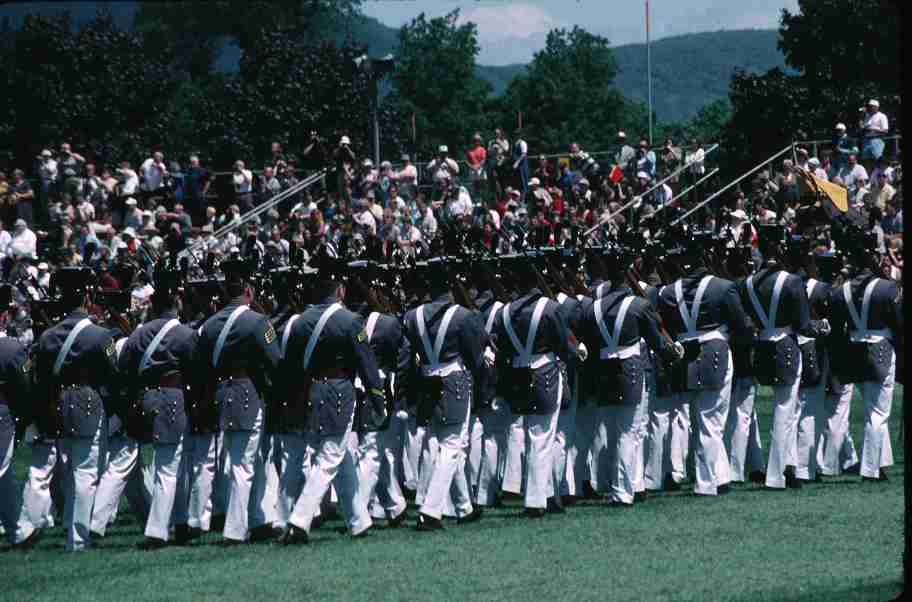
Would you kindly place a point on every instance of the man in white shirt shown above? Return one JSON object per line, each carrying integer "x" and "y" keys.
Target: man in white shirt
{"x": 24, "y": 243}
{"x": 47, "y": 172}
{"x": 153, "y": 171}
{"x": 874, "y": 126}
{"x": 243, "y": 186}
{"x": 815, "y": 169}
{"x": 407, "y": 177}
{"x": 853, "y": 176}
{"x": 442, "y": 168}
{"x": 365, "y": 218}
{"x": 5, "y": 239}
{"x": 460, "y": 204}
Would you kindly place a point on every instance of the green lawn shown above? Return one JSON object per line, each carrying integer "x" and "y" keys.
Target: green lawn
{"x": 837, "y": 540}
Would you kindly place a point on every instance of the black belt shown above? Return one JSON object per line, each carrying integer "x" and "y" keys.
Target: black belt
{"x": 172, "y": 380}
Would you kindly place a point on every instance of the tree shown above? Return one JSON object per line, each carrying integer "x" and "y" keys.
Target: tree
{"x": 105, "y": 89}
{"x": 435, "y": 79}
{"x": 566, "y": 89}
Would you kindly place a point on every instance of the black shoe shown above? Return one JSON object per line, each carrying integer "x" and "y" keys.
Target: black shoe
{"x": 151, "y": 543}
{"x": 96, "y": 535}
{"x": 230, "y": 543}
{"x": 217, "y": 523}
{"x": 427, "y": 523}
{"x": 554, "y": 507}
{"x": 617, "y": 504}
{"x": 588, "y": 492}
{"x": 534, "y": 512}
{"x": 757, "y": 476}
{"x": 509, "y": 495}
{"x": 397, "y": 521}
{"x": 723, "y": 489}
{"x": 261, "y": 534}
{"x": 472, "y": 517}
{"x": 409, "y": 494}
{"x": 853, "y": 469}
{"x": 640, "y": 496}
{"x": 568, "y": 500}
{"x": 29, "y": 542}
{"x": 669, "y": 484}
{"x": 363, "y": 534}
{"x": 291, "y": 535}
{"x": 880, "y": 478}
{"x": 182, "y": 535}
{"x": 791, "y": 481}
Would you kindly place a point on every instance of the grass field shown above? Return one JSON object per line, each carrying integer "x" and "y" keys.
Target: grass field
{"x": 837, "y": 540}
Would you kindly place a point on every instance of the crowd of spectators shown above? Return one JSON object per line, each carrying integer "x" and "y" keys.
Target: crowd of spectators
{"x": 71, "y": 210}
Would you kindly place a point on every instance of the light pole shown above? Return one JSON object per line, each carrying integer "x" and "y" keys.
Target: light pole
{"x": 375, "y": 68}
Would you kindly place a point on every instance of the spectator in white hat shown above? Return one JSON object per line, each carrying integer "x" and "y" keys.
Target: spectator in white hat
{"x": 344, "y": 158}
{"x": 874, "y": 126}
{"x": 476, "y": 157}
{"x": 47, "y": 174}
{"x": 815, "y": 168}
{"x": 844, "y": 146}
{"x": 44, "y": 275}
{"x": 407, "y": 178}
{"x": 625, "y": 152}
{"x": 442, "y": 168}
{"x": 132, "y": 215}
{"x": 540, "y": 196}
{"x": 24, "y": 243}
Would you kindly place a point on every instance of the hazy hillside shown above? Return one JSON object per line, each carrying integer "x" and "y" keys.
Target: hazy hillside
{"x": 689, "y": 71}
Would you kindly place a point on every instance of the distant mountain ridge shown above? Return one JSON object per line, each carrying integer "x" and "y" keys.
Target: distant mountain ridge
{"x": 689, "y": 71}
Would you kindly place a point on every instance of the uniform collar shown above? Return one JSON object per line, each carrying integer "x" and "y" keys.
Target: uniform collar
{"x": 170, "y": 314}
{"x": 78, "y": 314}
{"x": 443, "y": 298}
{"x": 328, "y": 300}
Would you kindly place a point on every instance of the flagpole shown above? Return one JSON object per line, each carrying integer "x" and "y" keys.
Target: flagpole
{"x": 649, "y": 71}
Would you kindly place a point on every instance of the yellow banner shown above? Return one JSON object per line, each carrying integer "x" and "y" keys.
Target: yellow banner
{"x": 809, "y": 183}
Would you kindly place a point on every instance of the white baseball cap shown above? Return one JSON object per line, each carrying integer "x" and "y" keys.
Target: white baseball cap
{"x": 584, "y": 182}
{"x": 45, "y": 153}
{"x": 130, "y": 201}
{"x": 841, "y": 127}
{"x": 643, "y": 174}
{"x": 814, "y": 161}
{"x": 739, "y": 213}
{"x": 621, "y": 135}
{"x": 368, "y": 163}
{"x": 128, "y": 231}
{"x": 534, "y": 182}
{"x": 873, "y": 103}
{"x": 42, "y": 267}
{"x": 344, "y": 140}
{"x": 443, "y": 149}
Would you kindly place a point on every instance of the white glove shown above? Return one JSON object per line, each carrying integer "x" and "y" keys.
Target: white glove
{"x": 582, "y": 352}
{"x": 489, "y": 357}
{"x": 679, "y": 350}
{"x": 824, "y": 327}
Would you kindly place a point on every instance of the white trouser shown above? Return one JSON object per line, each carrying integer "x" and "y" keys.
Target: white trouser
{"x": 222, "y": 482}
{"x": 617, "y": 452}
{"x": 641, "y": 428}
{"x": 442, "y": 474}
{"x": 563, "y": 439}
{"x": 742, "y": 440}
{"x": 668, "y": 441}
{"x": 496, "y": 421}
{"x": 516, "y": 455}
{"x": 811, "y": 402}
{"x": 540, "y": 431}
{"x": 247, "y": 484}
{"x": 783, "y": 450}
{"x": 122, "y": 475}
{"x": 580, "y": 454}
{"x": 876, "y": 450}
{"x": 413, "y": 442}
{"x": 81, "y": 483}
{"x": 377, "y": 473}
{"x": 201, "y": 465}
{"x": 166, "y": 464}
{"x": 296, "y": 464}
{"x": 334, "y": 463}
{"x": 708, "y": 413}
{"x": 9, "y": 512}
{"x": 836, "y": 450}
{"x": 36, "y": 512}
{"x": 473, "y": 450}
{"x": 271, "y": 454}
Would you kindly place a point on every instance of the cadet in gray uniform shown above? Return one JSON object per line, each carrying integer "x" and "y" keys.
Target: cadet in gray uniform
{"x": 612, "y": 327}
{"x": 867, "y": 329}
{"x": 533, "y": 340}
{"x": 74, "y": 363}
{"x": 14, "y": 392}
{"x": 449, "y": 342}
{"x": 238, "y": 352}
{"x": 703, "y": 312}
{"x": 777, "y": 303}
{"x": 328, "y": 344}
{"x": 157, "y": 363}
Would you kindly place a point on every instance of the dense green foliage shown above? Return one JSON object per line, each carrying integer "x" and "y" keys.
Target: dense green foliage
{"x": 749, "y": 546}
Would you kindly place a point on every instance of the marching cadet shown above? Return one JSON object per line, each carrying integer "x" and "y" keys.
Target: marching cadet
{"x": 488, "y": 448}
{"x": 866, "y": 312}
{"x": 742, "y": 435}
{"x": 836, "y": 451}
{"x": 238, "y": 352}
{"x": 703, "y": 312}
{"x": 74, "y": 362}
{"x": 614, "y": 324}
{"x": 158, "y": 362}
{"x": 14, "y": 392}
{"x": 329, "y": 345}
{"x": 288, "y": 440}
{"x": 378, "y": 437}
{"x": 814, "y": 363}
{"x": 449, "y": 344}
{"x": 532, "y": 336}
{"x": 778, "y": 305}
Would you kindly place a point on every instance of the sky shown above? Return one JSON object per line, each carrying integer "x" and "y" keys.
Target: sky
{"x": 510, "y": 32}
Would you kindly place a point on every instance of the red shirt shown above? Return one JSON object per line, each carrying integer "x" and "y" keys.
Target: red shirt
{"x": 476, "y": 156}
